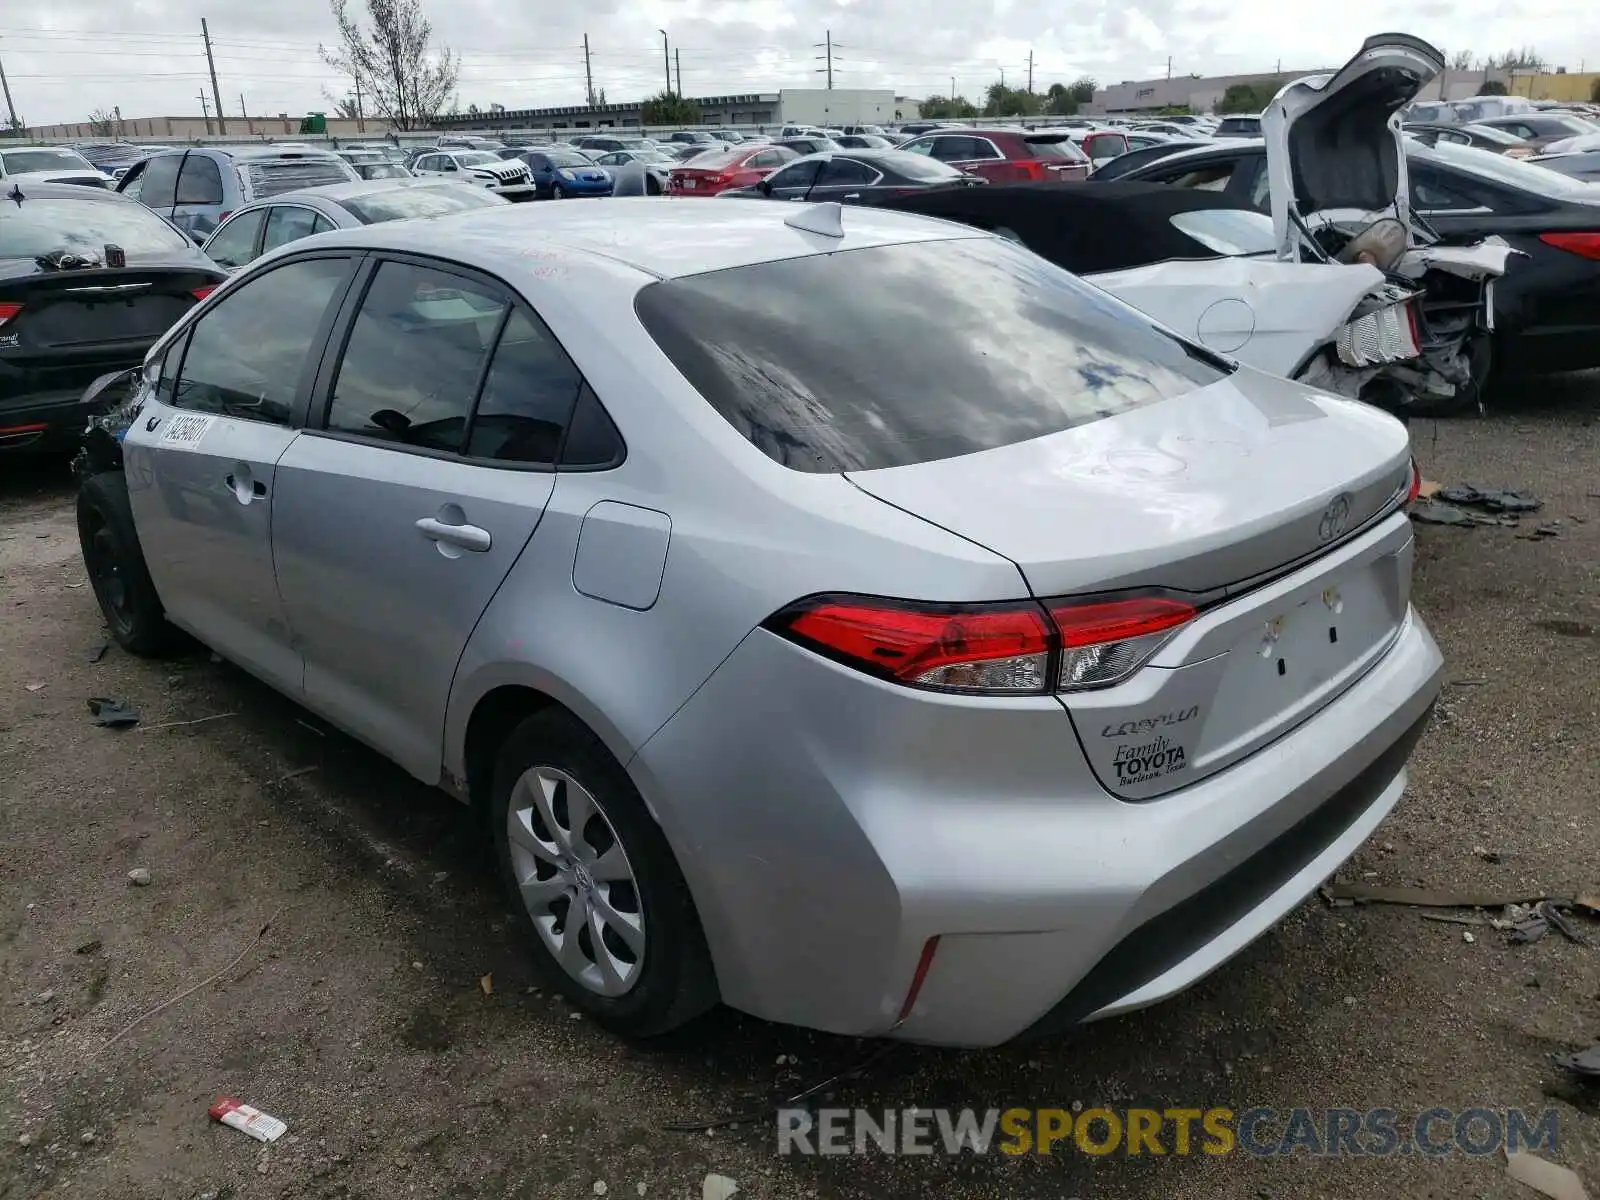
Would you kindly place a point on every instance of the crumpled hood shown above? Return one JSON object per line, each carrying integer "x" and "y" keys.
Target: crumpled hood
{"x": 1334, "y": 142}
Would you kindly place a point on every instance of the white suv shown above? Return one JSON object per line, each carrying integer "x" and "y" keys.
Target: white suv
{"x": 506, "y": 177}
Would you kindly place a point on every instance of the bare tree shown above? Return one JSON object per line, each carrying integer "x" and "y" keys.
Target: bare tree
{"x": 391, "y": 61}
{"x": 104, "y": 122}
{"x": 1461, "y": 60}
{"x": 343, "y": 106}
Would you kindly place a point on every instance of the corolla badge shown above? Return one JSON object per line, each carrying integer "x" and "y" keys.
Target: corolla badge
{"x": 1335, "y": 518}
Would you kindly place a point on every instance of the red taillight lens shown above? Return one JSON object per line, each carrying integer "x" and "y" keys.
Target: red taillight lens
{"x": 1415, "y": 488}
{"x": 1585, "y": 244}
{"x": 1008, "y": 648}
{"x": 204, "y": 290}
{"x": 8, "y": 310}
{"x": 1103, "y": 641}
{"x": 994, "y": 648}
{"x": 1030, "y": 170}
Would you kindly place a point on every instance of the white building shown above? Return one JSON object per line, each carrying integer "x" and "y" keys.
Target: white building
{"x": 838, "y": 106}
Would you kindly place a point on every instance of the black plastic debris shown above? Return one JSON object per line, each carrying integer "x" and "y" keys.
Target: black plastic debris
{"x": 113, "y": 714}
{"x": 1432, "y": 512}
{"x": 97, "y": 652}
{"x": 1560, "y": 922}
{"x": 1495, "y": 500}
{"x": 1584, "y": 1062}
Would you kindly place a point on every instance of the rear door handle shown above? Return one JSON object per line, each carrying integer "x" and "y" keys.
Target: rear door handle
{"x": 463, "y": 537}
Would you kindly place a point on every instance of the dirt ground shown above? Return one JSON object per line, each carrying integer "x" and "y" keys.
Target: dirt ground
{"x": 359, "y": 1017}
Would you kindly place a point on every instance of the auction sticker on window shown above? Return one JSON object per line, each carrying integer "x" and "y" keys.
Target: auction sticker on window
{"x": 1148, "y": 760}
{"x": 186, "y": 429}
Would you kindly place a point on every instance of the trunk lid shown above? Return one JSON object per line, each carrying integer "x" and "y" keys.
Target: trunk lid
{"x": 1330, "y": 141}
{"x": 1200, "y": 493}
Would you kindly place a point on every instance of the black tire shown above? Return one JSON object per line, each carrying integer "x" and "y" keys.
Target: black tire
{"x": 676, "y": 982}
{"x": 558, "y": 192}
{"x": 117, "y": 572}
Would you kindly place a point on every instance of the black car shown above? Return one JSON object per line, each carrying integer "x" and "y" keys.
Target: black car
{"x": 1546, "y": 308}
{"x": 1481, "y": 137}
{"x": 1122, "y": 164}
{"x": 88, "y": 281}
{"x": 856, "y": 177}
{"x": 1541, "y": 129}
{"x": 864, "y": 141}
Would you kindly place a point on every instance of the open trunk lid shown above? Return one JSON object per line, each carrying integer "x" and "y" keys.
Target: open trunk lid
{"x": 1334, "y": 143}
{"x": 1200, "y": 493}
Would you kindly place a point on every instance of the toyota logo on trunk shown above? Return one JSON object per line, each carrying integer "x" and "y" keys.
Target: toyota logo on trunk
{"x": 1334, "y": 519}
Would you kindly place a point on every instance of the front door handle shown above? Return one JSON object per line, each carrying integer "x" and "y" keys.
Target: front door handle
{"x": 452, "y": 539}
{"x": 244, "y": 488}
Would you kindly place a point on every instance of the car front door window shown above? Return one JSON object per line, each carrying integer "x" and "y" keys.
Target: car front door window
{"x": 289, "y": 223}
{"x": 234, "y": 244}
{"x": 160, "y": 185}
{"x": 793, "y": 178}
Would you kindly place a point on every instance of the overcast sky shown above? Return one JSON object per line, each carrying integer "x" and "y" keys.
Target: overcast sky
{"x": 67, "y": 57}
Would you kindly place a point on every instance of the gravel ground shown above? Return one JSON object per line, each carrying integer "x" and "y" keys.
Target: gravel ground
{"x": 361, "y": 1017}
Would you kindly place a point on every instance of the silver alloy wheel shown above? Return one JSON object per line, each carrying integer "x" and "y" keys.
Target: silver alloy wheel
{"x": 576, "y": 880}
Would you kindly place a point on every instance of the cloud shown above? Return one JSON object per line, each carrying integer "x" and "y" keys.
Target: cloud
{"x": 73, "y": 56}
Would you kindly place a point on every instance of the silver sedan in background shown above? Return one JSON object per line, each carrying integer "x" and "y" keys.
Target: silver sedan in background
{"x": 845, "y": 615}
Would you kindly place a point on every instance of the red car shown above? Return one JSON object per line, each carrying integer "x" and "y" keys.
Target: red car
{"x": 708, "y": 174}
{"x": 1006, "y": 155}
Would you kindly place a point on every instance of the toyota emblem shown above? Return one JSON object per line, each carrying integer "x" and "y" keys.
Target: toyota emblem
{"x": 1334, "y": 518}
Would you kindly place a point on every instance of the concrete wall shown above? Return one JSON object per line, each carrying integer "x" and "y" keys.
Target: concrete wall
{"x": 184, "y": 129}
{"x": 840, "y": 106}
{"x": 1198, "y": 93}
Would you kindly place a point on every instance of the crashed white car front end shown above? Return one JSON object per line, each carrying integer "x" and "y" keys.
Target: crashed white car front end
{"x": 1339, "y": 193}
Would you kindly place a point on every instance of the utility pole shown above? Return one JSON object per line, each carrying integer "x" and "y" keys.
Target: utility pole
{"x": 1169, "y": 66}
{"x": 206, "y": 110}
{"x": 827, "y": 47}
{"x": 361, "y": 116}
{"x": 952, "y": 89}
{"x": 588, "y": 75}
{"x": 10, "y": 107}
{"x": 216, "y": 92}
{"x": 677, "y": 58}
{"x": 666, "y": 59}
{"x": 250, "y": 126}
{"x": 1030, "y": 72}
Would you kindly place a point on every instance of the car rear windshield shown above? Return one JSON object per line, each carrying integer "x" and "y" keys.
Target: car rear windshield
{"x": 991, "y": 345}
{"x": 273, "y": 177}
{"x": 41, "y": 226}
{"x": 558, "y": 159}
{"x": 1240, "y": 125}
{"x": 1528, "y": 177}
{"x": 1056, "y": 147}
{"x": 404, "y": 203}
{"x": 18, "y": 162}
{"x": 720, "y": 159}
{"x": 1490, "y": 134}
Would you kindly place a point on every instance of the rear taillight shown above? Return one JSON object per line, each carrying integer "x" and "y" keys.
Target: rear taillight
{"x": 1414, "y": 489}
{"x": 8, "y": 309}
{"x": 1010, "y": 648}
{"x": 1030, "y": 170}
{"x": 204, "y": 290}
{"x": 1585, "y": 244}
{"x": 1106, "y": 640}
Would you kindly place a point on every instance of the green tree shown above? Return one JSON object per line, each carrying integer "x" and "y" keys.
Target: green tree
{"x": 1249, "y": 97}
{"x": 392, "y": 62}
{"x": 947, "y": 108}
{"x": 669, "y": 108}
{"x": 1492, "y": 87}
{"x": 1059, "y": 100}
{"x": 1010, "y": 102}
{"x": 1083, "y": 89}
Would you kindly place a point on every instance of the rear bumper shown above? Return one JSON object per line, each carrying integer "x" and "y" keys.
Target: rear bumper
{"x": 45, "y": 423}
{"x": 829, "y": 825}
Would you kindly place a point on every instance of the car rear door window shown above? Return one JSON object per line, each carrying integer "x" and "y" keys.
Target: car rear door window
{"x": 200, "y": 182}
{"x": 797, "y": 175}
{"x": 994, "y": 345}
{"x": 159, "y": 184}
{"x": 235, "y": 243}
{"x": 845, "y": 172}
{"x": 527, "y": 396}
{"x": 289, "y": 223}
{"x": 415, "y": 356}
{"x": 247, "y": 354}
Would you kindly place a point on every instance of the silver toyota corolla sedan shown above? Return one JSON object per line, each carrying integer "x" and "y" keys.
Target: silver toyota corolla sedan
{"x": 848, "y": 616}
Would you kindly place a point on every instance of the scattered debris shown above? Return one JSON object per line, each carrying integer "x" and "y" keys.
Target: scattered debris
{"x": 87, "y": 1137}
{"x": 98, "y": 651}
{"x": 113, "y": 714}
{"x": 1432, "y": 512}
{"x": 641, "y": 1188}
{"x": 1558, "y": 921}
{"x": 72, "y": 585}
{"x": 1476, "y": 681}
{"x": 187, "y": 992}
{"x": 248, "y": 1120}
{"x": 1342, "y": 894}
{"x": 25, "y": 1140}
{"x": 295, "y": 774}
{"x": 196, "y": 721}
{"x": 1584, "y": 1062}
{"x": 1454, "y": 919}
{"x": 1495, "y": 500}
{"x": 1527, "y": 924}
{"x": 487, "y": 984}
{"x": 717, "y": 1187}
{"x": 310, "y": 726}
{"x": 1547, "y": 1178}
{"x": 45, "y": 997}
{"x": 140, "y": 877}
{"x": 1550, "y": 529}
{"x": 90, "y": 947}
{"x": 1467, "y": 937}
{"x": 35, "y": 687}
{"x": 1428, "y": 489}
{"x": 1589, "y": 901}
{"x": 600, "y": 1188}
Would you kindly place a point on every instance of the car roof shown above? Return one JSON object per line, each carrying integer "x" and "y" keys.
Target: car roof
{"x": 339, "y": 192}
{"x": 33, "y": 189}
{"x": 664, "y": 240}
